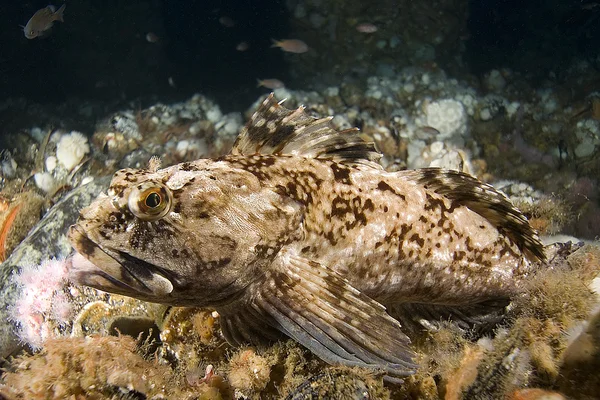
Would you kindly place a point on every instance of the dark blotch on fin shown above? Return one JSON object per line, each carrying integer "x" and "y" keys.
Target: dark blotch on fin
{"x": 339, "y": 324}
{"x": 486, "y": 201}
{"x": 274, "y": 129}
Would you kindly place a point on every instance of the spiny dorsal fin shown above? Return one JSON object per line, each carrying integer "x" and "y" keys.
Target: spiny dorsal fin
{"x": 486, "y": 201}
{"x": 273, "y": 129}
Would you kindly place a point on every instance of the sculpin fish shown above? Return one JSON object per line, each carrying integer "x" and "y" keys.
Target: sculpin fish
{"x": 298, "y": 231}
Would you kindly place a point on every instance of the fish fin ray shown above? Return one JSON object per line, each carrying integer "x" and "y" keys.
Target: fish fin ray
{"x": 274, "y": 129}
{"x": 59, "y": 14}
{"x": 322, "y": 311}
{"x": 247, "y": 327}
{"x": 486, "y": 201}
{"x": 480, "y": 317}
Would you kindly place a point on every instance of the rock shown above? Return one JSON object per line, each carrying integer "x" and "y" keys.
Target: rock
{"x": 46, "y": 240}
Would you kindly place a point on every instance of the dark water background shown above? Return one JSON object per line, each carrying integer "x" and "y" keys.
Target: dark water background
{"x": 100, "y": 51}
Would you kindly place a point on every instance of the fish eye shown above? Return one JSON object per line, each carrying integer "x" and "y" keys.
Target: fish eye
{"x": 150, "y": 201}
{"x": 153, "y": 200}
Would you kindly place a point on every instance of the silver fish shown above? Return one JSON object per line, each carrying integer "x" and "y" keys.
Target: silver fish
{"x": 298, "y": 231}
{"x": 43, "y": 19}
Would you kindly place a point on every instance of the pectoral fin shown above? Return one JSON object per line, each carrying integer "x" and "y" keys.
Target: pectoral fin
{"x": 319, "y": 309}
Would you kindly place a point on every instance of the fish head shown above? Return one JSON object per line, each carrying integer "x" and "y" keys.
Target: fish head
{"x": 195, "y": 234}
{"x": 30, "y": 32}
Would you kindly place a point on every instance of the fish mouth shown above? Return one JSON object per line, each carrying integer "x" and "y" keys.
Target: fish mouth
{"x": 115, "y": 272}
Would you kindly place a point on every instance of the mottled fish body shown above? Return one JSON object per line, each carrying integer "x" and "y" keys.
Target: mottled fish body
{"x": 298, "y": 231}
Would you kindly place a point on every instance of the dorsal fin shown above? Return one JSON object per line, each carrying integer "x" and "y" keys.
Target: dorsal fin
{"x": 274, "y": 129}
{"x": 486, "y": 201}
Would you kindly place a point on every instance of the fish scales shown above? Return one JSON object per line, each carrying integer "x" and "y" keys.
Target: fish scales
{"x": 299, "y": 232}
{"x": 389, "y": 236}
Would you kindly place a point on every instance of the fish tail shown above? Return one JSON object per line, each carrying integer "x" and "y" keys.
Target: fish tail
{"x": 259, "y": 83}
{"x": 276, "y": 43}
{"x": 58, "y": 15}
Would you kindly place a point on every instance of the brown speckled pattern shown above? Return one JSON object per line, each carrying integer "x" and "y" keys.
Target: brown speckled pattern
{"x": 300, "y": 231}
{"x": 390, "y": 237}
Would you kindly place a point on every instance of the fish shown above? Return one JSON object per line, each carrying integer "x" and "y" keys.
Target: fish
{"x": 152, "y": 37}
{"x": 242, "y": 46}
{"x": 227, "y": 22}
{"x": 291, "y": 45}
{"x": 270, "y": 83}
{"x": 299, "y": 232}
{"x": 366, "y": 28}
{"x": 589, "y": 6}
{"x": 41, "y": 22}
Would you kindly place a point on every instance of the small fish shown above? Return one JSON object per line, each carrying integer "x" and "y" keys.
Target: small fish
{"x": 269, "y": 83}
{"x": 589, "y": 6}
{"x": 366, "y": 28}
{"x": 291, "y": 45}
{"x": 42, "y": 21}
{"x": 242, "y": 46}
{"x": 227, "y": 22}
{"x": 152, "y": 37}
{"x": 299, "y": 232}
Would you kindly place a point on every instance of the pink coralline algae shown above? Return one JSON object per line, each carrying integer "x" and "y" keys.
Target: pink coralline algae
{"x": 44, "y": 303}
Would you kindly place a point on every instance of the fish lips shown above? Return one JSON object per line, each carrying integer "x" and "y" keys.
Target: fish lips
{"x": 114, "y": 272}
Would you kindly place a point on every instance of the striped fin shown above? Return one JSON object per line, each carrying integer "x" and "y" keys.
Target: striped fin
{"x": 486, "y": 201}
{"x": 274, "y": 129}
{"x": 338, "y": 323}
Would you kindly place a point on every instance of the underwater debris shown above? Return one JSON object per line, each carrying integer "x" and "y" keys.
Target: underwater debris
{"x": 548, "y": 215}
{"x": 249, "y": 371}
{"x": 340, "y": 383}
{"x": 92, "y": 367}
{"x": 466, "y": 373}
{"x": 211, "y": 386}
{"x": 581, "y": 362}
{"x": 561, "y": 294}
{"x": 535, "y": 394}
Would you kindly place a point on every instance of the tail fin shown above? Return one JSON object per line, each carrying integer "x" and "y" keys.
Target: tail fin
{"x": 58, "y": 15}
